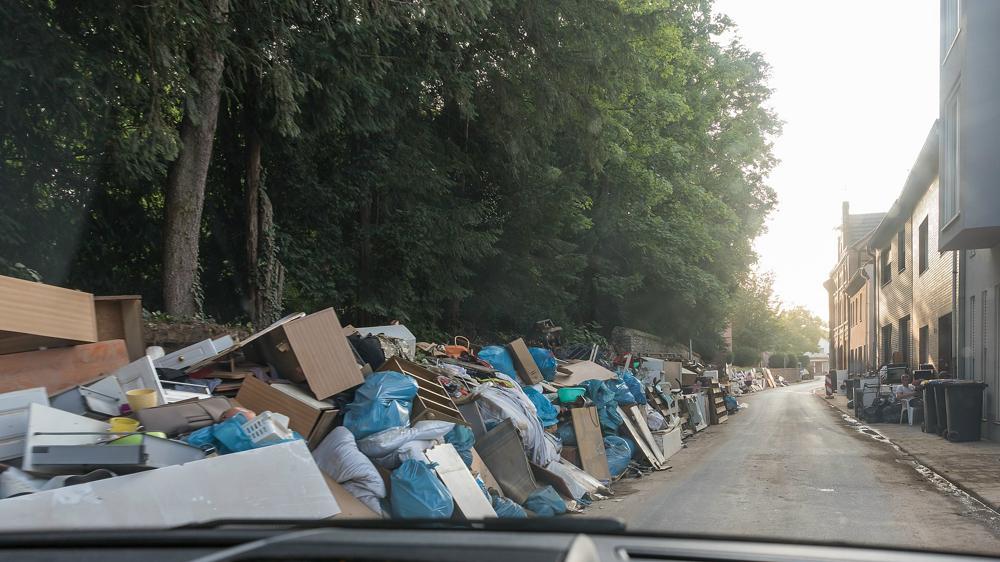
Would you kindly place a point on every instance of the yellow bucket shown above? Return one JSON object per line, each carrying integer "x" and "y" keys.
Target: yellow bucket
{"x": 141, "y": 398}
{"x": 123, "y": 425}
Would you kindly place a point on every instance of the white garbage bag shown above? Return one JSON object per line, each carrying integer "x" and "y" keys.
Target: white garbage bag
{"x": 391, "y": 447}
{"x": 655, "y": 419}
{"x": 497, "y": 403}
{"x": 339, "y": 458}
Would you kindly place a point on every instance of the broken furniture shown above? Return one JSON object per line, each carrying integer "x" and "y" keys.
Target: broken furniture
{"x": 149, "y": 453}
{"x": 37, "y": 315}
{"x": 308, "y": 416}
{"x": 432, "y": 401}
{"x": 14, "y": 408}
{"x": 120, "y": 318}
{"x": 311, "y": 349}
{"x": 468, "y": 496}
{"x": 503, "y": 453}
{"x": 524, "y": 364}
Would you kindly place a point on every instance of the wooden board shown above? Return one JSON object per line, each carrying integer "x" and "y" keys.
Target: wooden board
{"x": 432, "y": 401}
{"x": 469, "y": 497}
{"x": 640, "y": 440}
{"x": 639, "y": 420}
{"x": 61, "y": 369}
{"x": 576, "y": 372}
{"x": 120, "y": 318}
{"x": 503, "y": 452}
{"x": 524, "y": 363}
{"x": 34, "y": 315}
{"x": 590, "y": 443}
{"x": 259, "y": 396}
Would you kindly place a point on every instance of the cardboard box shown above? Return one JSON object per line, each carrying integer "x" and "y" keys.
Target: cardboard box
{"x": 62, "y": 368}
{"x": 311, "y": 349}
{"x": 576, "y": 372}
{"x": 590, "y": 442}
{"x": 35, "y": 315}
{"x": 120, "y": 318}
{"x": 526, "y": 367}
{"x": 309, "y": 417}
{"x": 277, "y": 482}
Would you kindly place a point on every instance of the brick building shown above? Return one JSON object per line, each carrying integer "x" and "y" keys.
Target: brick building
{"x": 915, "y": 282}
{"x": 852, "y": 256}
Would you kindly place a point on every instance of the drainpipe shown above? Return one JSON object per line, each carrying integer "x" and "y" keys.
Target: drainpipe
{"x": 958, "y": 313}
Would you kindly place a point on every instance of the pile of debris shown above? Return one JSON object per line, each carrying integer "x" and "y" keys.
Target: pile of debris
{"x": 311, "y": 419}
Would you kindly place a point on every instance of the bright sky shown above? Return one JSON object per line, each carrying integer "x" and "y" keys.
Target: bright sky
{"x": 856, "y": 83}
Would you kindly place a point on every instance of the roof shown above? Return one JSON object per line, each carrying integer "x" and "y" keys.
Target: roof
{"x": 919, "y": 180}
{"x": 860, "y": 225}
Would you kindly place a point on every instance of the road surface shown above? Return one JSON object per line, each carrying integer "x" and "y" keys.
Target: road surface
{"x": 790, "y": 467}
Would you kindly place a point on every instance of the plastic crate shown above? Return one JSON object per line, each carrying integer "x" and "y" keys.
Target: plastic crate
{"x": 268, "y": 427}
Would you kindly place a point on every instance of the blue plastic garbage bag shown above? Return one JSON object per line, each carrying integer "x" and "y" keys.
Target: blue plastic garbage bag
{"x": 634, "y": 386}
{"x": 499, "y": 358}
{"x": 619, "y": 454}
{"x": 566, "y": 434}
{"x": 381, "y": 403}
{"x": 545, "y": 502}
{"x": 417, "y": 493}
{"x": 227, "y": 436}
{"x": 622, "y": 393}
{"x": 547, "y": 413}
{"x": 546, "y": 362}
{"x": 507, "y": 508}
{"x": 462, "y": 438}
{"x": 731, "y": 403}
{"x": 633, "y": 447}
{"x": 603, "y": 398}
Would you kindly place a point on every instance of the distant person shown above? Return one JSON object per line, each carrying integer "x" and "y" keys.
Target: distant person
{"x": 905, "y": 389}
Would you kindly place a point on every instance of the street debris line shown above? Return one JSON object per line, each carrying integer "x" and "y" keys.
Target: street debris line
{"x": 309, "y": 418}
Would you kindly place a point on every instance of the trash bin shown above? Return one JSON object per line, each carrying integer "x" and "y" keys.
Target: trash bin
{"x": 964, "y": 406}
{"x": 939, "y": 406}
{"x": 930, "y": 424}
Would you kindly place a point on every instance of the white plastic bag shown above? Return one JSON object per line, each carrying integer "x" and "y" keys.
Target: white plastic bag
{"x": 497, "y": 403}
{"x": 655, "y": 419}
{"x": 385, "y": 442}
{"x": 338, "y": 457}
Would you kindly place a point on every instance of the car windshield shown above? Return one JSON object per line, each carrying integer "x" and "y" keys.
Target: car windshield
{"x": 706, "y": 267}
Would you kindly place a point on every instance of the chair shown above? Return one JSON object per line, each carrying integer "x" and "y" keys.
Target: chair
{"x": 905, "y": 411}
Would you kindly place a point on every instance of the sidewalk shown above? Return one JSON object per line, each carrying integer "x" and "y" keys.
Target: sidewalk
{"x": 973, "y": 467}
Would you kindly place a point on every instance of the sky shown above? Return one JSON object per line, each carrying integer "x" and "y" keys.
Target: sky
{"x": 856, "y": 84}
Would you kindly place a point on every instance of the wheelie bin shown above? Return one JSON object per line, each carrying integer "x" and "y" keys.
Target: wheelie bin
{"x": 930, "y": 424}
{"x": 939, "y": 406}
{"x": 964, "y": 406}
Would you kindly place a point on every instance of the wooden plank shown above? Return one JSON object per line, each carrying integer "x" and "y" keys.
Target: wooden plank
{"x": 525, "y": 365}
{"x": 61, "y": 369}
{"x": 503, "y": 452}
{"x": 259, "y": 396}
{"x": 469, "y": 497}
{"x": 640, "y": 440}
{"x": 37, "y": 315}
{"x": 593, "y": 457}
{"x": 575, "y": 373}
{"x": 640, "y": 423}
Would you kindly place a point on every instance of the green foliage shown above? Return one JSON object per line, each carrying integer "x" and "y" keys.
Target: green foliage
{"x": 460, "y": 165}
{"x": 760, "y": 324}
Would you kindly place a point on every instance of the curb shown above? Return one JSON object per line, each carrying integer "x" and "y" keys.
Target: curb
{"x": 938, "y": 471}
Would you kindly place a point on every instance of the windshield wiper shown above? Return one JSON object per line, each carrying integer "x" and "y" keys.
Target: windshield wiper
{"x": 546, "y": 525}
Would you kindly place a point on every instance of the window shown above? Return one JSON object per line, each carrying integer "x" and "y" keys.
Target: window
{"x": 922, "y": 243}
{"x": 924, "y": 334}
{"x": 885, "y": 267}
{"x": 949, "y": 159}
{"x": 887, "y": 344}
{"x": 901, "y": 248}
{"x": 904, "y": 340}
{"x": 950, "y": 12}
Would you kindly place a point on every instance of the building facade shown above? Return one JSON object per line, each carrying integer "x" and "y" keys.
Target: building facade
{"x": 915, "y": 281}
{"x": 852, "y": 256}
{"x": 861, "y": 318}
{"x": 969, "y": 197}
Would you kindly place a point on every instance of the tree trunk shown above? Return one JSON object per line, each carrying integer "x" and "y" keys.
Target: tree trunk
{"x": 185, "y": 192}
{"x": 252, "y": 221}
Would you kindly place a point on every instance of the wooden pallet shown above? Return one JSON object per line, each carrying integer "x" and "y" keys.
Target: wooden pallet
{"x": 717, "y": 404}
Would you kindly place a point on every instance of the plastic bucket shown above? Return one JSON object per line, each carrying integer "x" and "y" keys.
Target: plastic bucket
{"x": 571, "y": 393}
{"x": 964, "y": 406}
{"x": 123, "y": 425}
{"x": 137, "y": 438}
{"x": 141, "y": 398}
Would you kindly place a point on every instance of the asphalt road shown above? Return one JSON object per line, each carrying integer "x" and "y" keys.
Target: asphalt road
{"x": 790, "y": 467}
